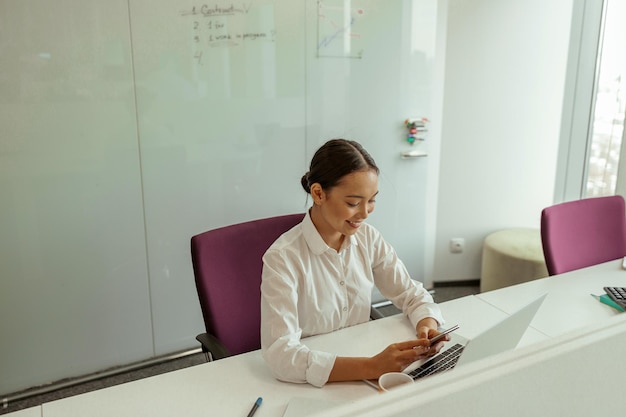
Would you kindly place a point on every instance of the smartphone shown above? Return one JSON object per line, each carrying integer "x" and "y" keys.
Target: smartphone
{"x": 442, "y": 334}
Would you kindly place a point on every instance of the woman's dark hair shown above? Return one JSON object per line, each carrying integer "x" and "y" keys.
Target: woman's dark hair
{"x": 334, "y": 160}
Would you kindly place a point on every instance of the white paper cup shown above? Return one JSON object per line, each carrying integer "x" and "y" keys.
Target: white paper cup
{"x": 392, "y": 380}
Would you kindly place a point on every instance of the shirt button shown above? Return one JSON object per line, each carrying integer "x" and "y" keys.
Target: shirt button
{"x": 342, "y": 283}
{"x": 345, "y": 309}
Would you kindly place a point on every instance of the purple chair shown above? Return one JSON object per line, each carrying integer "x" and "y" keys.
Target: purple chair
{"x": 581, "y": 233}
{"x": 227, "y": 265}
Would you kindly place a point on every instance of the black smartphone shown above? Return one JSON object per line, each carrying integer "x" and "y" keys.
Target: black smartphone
{"x": 442, "y": 334}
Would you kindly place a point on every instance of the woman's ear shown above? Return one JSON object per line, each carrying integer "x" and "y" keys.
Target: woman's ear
{"x": 317, "y": 193}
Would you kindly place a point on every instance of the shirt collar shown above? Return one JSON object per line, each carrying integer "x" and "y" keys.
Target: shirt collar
{"x": 314, "y": 239}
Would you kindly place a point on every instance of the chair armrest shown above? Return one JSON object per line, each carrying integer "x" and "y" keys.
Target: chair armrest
{"x": 212, "y": 347}
{"x": 375, "y": 314}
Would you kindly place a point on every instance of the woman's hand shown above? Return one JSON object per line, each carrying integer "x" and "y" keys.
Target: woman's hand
{"x": 398, "y": 356}
{"x": 427, "y": 329}
{"x": 394, "y": 358}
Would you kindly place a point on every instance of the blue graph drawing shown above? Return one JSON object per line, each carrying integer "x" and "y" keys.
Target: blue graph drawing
{"x": 337, "y": 30}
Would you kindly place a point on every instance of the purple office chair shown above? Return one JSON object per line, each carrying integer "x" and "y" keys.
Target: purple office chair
{"x": 581, "y": 233}
{"x": 227, "y": 265}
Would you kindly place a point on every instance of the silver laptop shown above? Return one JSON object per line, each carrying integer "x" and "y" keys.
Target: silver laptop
{"x": 501, "y": 337}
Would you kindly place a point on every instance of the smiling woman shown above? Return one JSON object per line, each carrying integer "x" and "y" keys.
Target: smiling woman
{"x": 343, "y": 182}
{"x": 339, "y": 212}
{"x": 318, "y": 277}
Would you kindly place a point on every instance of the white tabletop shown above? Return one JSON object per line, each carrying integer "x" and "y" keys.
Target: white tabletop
{"x": 229, "y": 387}
{"x": 27, "y": 412}
{"x": 569, "y": 304}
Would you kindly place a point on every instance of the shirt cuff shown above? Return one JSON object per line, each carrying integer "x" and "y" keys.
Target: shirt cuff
{"x": 427, "y": 311}
{"x": 319, "y": 366}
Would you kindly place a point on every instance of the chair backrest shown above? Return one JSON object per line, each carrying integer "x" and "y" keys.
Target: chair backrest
{"x": 227, "y": 264}
{"x": 581, "y": 233}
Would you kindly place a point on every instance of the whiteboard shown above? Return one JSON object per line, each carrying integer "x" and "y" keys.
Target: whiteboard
{"x": 220, "y": 99}
{"x": 74, "y": 295}
{"x": 133, "y": 125}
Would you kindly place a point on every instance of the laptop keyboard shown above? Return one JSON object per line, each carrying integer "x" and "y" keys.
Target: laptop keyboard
{"x": 442, "y": 362}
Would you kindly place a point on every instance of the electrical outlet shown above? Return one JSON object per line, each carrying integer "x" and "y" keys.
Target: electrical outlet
{"x": 457, "y": 244}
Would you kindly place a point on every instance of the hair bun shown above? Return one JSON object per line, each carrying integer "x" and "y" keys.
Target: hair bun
{"x": 305, "y": 182}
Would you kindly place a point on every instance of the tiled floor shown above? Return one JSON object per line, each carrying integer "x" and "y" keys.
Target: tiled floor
{"x": 441, "y": 293}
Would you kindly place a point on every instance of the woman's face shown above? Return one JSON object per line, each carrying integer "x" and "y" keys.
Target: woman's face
{"x": 345, "y": 206}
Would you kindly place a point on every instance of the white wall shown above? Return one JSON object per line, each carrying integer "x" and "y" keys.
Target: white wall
{"x": 505, "y": 69}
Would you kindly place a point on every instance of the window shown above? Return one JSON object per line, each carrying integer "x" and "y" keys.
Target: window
{"x": 607, "y": 125}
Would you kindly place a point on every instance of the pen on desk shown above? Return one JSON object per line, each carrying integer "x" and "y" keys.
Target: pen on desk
{"x": 256, "y": 405}
{"x": 371, "y": 384}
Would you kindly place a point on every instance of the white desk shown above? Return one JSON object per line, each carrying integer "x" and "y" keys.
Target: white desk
{"x": 230, "y": 386}
{"x": 27, "y": 412}
{"x": 569, "y": 304}
{"x": 571, "y": 375}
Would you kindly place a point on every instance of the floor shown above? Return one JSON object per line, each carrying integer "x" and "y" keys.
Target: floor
{"x": 441, "y": 293}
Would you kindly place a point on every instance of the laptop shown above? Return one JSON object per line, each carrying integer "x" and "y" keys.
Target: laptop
{"x": 501, "y": 337}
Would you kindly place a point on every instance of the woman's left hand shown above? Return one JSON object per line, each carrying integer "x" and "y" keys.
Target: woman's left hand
{"x": 427, "y": 329}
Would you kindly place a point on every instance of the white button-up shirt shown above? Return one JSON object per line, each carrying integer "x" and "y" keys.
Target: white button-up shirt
{"x": 309, "y": 288}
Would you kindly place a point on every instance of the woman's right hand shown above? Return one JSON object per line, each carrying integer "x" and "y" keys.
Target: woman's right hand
{"x": 398, "y": 356}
